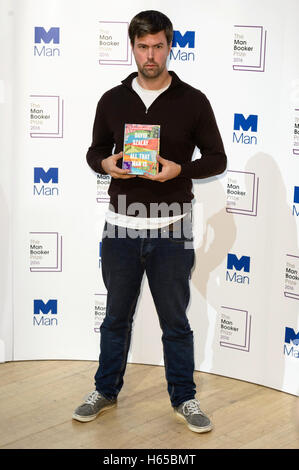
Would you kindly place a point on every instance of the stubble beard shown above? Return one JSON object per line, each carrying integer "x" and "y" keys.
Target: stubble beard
{"x": 151, "y": 73}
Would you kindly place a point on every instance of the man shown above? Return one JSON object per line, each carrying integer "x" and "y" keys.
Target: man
{"x": 148, "y": 224}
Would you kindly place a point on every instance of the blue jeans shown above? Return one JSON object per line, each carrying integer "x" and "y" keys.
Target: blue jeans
{"x": 167, "y": 260}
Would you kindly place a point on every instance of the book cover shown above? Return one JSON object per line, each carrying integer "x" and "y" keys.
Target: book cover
{"x": 141, "y": 147}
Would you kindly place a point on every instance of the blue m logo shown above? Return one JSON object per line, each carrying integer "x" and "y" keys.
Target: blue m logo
{"x": 41, "y": 175}
{"x": 187, "y": 39}
{"x": 233, "y": 262}
{"x": 40, "y": 306}
{"x": 249, "y": 123}
{"x": 290, "y": 335}
{"x": 40, "y": 34}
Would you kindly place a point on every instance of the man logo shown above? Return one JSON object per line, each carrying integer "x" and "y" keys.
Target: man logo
{"x": 238, "y": 264}
{"x": 246, "y": 124}
{"x": 291, "y": 336}
{"x": 46, "y": 177}
{"x": 233, "y": 262}
{"x": 40, "y": 34}
{"x": 292, "y": 339}
{"x": 182, "y": 41}
{"x": 296, "y": 200}
{"x": 45, "y": 308}
{"x": 40, "y": 306}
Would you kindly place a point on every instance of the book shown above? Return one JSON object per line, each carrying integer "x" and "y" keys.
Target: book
{"x": 141, "y": 147}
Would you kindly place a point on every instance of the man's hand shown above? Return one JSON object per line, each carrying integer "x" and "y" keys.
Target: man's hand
{"x": 169, "y": 171}
{"x": 109, "y": 165}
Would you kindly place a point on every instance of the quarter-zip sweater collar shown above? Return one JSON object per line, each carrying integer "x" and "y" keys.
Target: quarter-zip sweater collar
{"x": 175, "y": 81}
{"x": 186, "y": 119}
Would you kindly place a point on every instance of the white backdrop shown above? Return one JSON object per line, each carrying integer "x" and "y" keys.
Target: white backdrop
{"x": 6, "y": 178}
{"x": 245, "y": 285}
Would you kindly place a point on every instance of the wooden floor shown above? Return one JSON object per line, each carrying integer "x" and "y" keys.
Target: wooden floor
{"x": 37, "y": 399}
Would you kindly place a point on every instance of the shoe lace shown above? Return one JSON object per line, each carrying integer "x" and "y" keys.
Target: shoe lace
{"x": 192, "y": 407}
{"x": 92, "y": 397}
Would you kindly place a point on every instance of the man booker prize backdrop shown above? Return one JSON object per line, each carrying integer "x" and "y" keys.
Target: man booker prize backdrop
{"x": 59, "y": 57}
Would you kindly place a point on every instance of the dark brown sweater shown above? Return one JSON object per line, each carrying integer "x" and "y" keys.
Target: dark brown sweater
{"x": 186, "y": 119}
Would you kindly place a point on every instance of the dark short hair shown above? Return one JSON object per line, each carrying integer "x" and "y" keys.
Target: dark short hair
{"x": 150, "y": 22}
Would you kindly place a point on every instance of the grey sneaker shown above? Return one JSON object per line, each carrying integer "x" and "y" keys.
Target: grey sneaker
{"x": 94, "y": 404}
{"x": 190, "y": 412}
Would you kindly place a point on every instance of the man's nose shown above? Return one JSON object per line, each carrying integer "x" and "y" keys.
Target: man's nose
{"x": 150, "y": 53}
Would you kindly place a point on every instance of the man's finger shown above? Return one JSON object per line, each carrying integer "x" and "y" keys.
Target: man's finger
{"x": 122, "y": 176}
{"x": 120, "y": 171}
{"x": 118, "y": 155}
{"x": 161, "y": 159}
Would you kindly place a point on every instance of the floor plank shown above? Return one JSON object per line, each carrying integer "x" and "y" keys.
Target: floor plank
{"x": 37, "y": 399}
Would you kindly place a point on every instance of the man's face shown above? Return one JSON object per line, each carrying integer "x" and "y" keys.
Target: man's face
{"x": 151, "y": 52}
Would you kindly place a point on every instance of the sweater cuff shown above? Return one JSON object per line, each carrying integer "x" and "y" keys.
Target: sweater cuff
{"x": 100, "y": 169}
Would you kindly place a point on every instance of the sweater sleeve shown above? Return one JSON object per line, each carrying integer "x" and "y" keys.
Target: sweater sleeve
{"x": 102, "y": 140}
{"x": 213, "y": 159}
